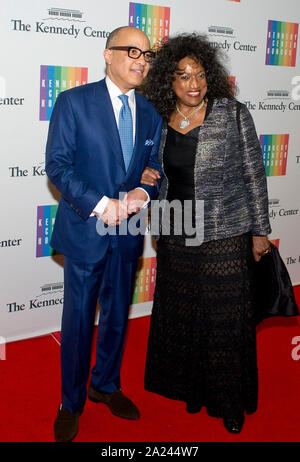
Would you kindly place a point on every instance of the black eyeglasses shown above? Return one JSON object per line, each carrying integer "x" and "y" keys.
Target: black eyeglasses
{"x": 135, "y": 53}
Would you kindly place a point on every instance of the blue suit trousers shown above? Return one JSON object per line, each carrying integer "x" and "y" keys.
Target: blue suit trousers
{"x": 111, "y": 281}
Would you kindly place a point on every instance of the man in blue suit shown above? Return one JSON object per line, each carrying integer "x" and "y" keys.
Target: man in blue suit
{"x": 101, "y": 137}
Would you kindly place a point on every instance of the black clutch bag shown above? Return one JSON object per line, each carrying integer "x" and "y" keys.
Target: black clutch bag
{"x": 273, "y": 287}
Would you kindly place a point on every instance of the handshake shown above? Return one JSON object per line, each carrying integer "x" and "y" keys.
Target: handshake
{"x": 118, "y": 210}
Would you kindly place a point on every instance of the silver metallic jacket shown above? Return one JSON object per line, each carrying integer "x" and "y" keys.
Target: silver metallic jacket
{"x": 229, "y": 173}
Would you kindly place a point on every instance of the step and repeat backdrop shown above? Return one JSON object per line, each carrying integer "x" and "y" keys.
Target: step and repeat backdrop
{"x": 48, "y": 47}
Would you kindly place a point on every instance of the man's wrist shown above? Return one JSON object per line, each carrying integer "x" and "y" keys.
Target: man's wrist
{"x": 100, "y": 207}
{"x": 147, "y": 200}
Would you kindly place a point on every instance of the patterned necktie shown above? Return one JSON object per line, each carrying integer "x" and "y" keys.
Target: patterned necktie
{"x": 126, "y": 130}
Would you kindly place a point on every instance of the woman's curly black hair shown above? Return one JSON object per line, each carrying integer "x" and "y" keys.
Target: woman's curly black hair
{"x": 158, "y": 87}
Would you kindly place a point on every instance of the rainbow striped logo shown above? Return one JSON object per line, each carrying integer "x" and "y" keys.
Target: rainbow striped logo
{"x": 45, "y": 223}
{"x": 275, "y": 153}
{"x": 282, "y": 41}
{"x": 153, "y": 20}
{"x": 55, "y": 79}
{"x": 145, "y": 280}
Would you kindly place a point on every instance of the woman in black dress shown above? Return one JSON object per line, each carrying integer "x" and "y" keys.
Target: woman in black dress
{"x": 202, "y": 342}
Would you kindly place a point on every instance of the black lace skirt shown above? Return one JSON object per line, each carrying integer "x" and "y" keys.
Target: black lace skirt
{"x": 202, "y": 341}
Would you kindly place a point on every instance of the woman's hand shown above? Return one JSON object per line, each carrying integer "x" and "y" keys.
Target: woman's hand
{"x": 260, "y": 246}
{"x": 150, "y": 176}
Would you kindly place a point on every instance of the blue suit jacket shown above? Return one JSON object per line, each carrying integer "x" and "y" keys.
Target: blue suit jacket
{"x": 84, "y": 161}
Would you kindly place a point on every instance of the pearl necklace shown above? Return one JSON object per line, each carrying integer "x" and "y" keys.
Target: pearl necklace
{"x": 185, "y": 122}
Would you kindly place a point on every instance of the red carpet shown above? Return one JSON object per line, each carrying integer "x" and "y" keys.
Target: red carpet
{"x": 30, "y": 394}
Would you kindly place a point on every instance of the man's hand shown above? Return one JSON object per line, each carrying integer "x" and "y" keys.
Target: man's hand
{"x": 150, "y": 176}
{"x": 114, "y": 212}
{"x": 134, "y": 200}
{"x": 260, "y": 246}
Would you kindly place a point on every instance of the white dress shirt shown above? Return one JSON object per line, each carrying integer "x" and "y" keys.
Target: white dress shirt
{"x": 114, "y": 93}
